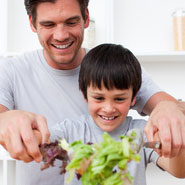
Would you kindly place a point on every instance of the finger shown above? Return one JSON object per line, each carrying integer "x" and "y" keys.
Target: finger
{"x": 43, "y": 128}
{"x": 150, "y": 129}
{"x": 30, "y": 142}
{"x": 4, "y": 146}
{"x": 16, "y": 147}
{"x": 183, "y": 135}
{"x": 166, "y": 138}
{"x": 157, "y": 139}
{"x": 177, "y": 138}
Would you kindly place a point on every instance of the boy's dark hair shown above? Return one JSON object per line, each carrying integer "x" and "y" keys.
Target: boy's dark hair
{"x": 111, "y": 65}
{"x": 31, "y": 7}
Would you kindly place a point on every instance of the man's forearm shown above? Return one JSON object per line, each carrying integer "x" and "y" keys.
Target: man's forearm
{"x": 3, "y": 108}
{"x": 155, "y": 100}
{"x": 181, "y": 105}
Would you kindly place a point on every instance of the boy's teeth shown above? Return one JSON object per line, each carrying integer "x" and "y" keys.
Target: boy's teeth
{"x": 108, "y": 118}
{"x": 62, "y": 46}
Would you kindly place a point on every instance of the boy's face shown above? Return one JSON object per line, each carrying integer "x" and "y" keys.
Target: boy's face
{"x": 109, "y": 108}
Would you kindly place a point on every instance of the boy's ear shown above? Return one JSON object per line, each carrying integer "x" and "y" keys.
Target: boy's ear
{"x": 133, "y": 101}
{"x": 84, "y": 98}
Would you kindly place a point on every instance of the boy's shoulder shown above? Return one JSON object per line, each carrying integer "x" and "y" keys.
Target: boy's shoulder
{"x": 73, "y": 129}
{"x": 136, "y": 123}
{"x": 80, "y": 121}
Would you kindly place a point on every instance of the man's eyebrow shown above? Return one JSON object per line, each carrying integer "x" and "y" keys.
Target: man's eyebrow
{"x": 69, "y": 19}
{"x": 74, "y": 17}
{"x": 46, "y": 22}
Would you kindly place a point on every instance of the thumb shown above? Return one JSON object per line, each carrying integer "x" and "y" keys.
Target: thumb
{"x": 43, "y": 129}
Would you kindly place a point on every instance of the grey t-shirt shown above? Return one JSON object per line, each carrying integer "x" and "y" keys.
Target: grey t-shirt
{"x": 86, "y": 130}
{"x": 28, "y": 83}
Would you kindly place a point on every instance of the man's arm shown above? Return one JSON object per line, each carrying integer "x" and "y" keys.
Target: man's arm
{"x": 16, "y": 133}
{"x": 175, "y": 166}
{"x": 166, "y": 117}
{"x": 155, "y": 99}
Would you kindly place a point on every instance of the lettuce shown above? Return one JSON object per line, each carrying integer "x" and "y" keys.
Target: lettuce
{"x": 102, "y": 163}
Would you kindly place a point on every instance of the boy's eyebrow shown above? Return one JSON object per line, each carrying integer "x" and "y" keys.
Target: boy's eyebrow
{"x": 121, "y": 94}
{"x": 98, "y": 93}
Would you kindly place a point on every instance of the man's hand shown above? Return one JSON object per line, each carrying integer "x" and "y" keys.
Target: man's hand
{"x": 168, "y": 119}
{"x": 17, "y": 137}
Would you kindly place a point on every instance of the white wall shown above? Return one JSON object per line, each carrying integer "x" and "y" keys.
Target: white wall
{"x": 20, "y": 37}
{"x": 145, "y": 24}
{"x": 170, "y": 76}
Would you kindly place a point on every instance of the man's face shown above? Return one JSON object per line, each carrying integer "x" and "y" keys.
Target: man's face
{"x": 109, "y": 108}
{"x": 60, "y": 29}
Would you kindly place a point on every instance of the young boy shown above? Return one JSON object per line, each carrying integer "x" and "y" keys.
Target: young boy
{"x": 110, "y": 77}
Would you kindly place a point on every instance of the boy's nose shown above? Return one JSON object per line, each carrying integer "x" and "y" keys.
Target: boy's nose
{"x": 109, "y": 108}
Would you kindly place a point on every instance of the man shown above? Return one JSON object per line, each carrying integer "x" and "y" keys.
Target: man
{"x": 43, "y": 85}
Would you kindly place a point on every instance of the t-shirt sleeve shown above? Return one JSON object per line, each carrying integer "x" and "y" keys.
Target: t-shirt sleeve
{"x": 6, "y": 84}
{"x": 58, "y": 132}
{"x": 148, "y": 88}
{"x": 66, "y": 129}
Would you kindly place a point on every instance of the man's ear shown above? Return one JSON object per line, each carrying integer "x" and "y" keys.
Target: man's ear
{"x": 87, "y": 18}
{"x": 31, "y": 24}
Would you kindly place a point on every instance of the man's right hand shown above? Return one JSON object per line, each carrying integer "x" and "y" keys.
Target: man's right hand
{"x": 17, "y": 137}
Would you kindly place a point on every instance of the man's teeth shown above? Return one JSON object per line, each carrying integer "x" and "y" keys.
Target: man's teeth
{"x": 108, "y": 118}
{"x": 63, "y": 46}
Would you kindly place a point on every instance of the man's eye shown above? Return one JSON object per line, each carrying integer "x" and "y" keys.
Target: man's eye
{"x": 72, "y": 23}
{"x": 48, "y": 25}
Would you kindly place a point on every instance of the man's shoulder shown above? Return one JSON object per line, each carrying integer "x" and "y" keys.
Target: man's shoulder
{"x": 21, "y": 62}
{"x": 21, "y": 57}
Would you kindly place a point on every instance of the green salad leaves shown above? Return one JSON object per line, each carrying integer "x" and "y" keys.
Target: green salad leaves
{"x": 104, "y": 163}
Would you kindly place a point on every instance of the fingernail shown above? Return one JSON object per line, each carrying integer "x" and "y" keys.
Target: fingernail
{"x": 38, "y": 159}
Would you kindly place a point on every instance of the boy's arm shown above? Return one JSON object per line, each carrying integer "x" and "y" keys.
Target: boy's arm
{"x": 175, "y": 166}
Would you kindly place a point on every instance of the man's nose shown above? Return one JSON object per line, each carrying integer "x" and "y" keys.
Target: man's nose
{"x": 61, "y": 33}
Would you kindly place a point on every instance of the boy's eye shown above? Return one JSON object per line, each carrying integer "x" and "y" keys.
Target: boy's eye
{"x": 99, "y": 98}
{"x": 119, "y": 99}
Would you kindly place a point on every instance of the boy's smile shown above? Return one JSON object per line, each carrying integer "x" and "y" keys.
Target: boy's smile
{"x": 109, "y": 108}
